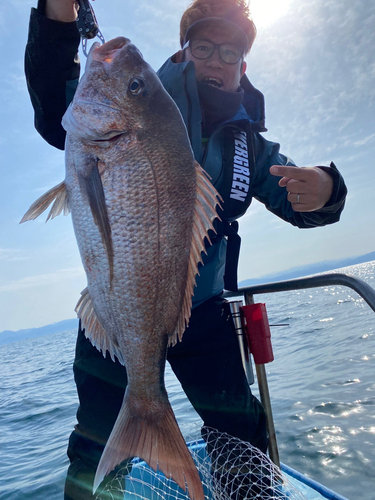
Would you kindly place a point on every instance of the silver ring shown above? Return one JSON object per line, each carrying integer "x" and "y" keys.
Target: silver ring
{"x": 297, "y": 198}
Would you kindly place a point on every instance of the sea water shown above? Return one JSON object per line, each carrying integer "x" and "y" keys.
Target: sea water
{"x": 321, "y": 382}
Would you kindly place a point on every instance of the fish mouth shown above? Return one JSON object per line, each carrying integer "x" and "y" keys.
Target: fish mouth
{"x": 215, "y": 82}
{"x": 108, "y": 51}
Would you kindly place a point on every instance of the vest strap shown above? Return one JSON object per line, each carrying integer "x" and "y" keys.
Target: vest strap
{"x": 233, "y": 254}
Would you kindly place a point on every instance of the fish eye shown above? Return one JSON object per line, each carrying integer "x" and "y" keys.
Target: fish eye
{"x": 136, "y": 85}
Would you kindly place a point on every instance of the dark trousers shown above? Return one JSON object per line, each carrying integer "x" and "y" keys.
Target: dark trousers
{"x": 208, "y": 365}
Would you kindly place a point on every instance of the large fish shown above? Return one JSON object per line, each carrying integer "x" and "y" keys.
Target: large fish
{"x": 141, "y": 208}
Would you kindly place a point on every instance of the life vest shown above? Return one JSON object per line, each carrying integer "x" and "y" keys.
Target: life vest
{"x": 228, "y": 157}
{"x": 231, "y": 147}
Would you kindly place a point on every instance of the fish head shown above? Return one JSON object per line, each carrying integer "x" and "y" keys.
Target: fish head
{"x": 118, "y": 94}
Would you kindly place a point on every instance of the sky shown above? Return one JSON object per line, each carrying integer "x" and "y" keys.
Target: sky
{"x": 314, "y": 60}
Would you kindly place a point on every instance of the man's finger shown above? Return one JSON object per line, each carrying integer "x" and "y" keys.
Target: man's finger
{"x": 293, "y": 186}
{"x": 283, "y": 182}
{"x": 290, "y": 172}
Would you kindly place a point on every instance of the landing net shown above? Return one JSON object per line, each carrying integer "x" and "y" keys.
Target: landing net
{"x": 230, "y": 469}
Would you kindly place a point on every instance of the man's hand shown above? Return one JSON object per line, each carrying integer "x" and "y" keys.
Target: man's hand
{"x": 308, "y": 188}
{"x": 62, "y": 10}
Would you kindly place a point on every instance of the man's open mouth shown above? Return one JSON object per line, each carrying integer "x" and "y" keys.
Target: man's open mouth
{"x": 213, "y": 81}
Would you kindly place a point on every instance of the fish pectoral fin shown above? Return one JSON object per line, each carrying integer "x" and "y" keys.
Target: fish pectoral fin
{"x": 94, "y": 330}
{"x": 92, "y": 186}
{"x": 204, "y": 214}
{"x": 58, "y": 195}
{"x": 153, "y": 435}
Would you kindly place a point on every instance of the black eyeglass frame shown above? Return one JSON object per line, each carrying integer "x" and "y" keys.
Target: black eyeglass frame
{"x": 215, "y": 46}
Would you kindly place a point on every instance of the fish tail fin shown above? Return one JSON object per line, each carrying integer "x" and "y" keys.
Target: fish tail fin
{"x": 58, "y": 195}
{"x": 154, "y": 436}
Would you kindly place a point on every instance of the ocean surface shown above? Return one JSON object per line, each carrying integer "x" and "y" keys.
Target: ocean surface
{"x": 322, "y": 385}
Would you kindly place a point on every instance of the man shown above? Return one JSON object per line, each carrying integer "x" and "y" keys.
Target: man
{"x": 224, "y": 115}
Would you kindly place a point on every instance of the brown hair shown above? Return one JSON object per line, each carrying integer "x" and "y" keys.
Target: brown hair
{"x": 236, "y": 11}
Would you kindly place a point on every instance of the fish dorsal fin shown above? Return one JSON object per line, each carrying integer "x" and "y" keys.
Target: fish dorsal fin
{"x": 204, "y": 214}
{"x": 58, "y": 195}
{"x": 94, "y": 330}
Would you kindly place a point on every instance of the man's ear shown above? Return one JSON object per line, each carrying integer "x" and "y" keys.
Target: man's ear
{"x": 243, "y": 68}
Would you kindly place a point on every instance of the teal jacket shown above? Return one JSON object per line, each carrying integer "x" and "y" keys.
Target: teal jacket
{"x": 236, "y": 156}
{"x": 218, "y": 159}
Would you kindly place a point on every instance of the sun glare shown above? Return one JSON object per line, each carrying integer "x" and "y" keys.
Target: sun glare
{"x": 265, "y": 12}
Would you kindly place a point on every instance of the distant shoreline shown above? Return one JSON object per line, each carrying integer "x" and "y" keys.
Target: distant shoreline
{"x": 9, "y": 336}
{"x": 310, "y": 269}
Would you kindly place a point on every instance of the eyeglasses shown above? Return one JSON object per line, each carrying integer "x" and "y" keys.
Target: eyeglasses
{"x": 203, "y": 49}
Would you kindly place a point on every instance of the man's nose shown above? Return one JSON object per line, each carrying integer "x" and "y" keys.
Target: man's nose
{"x": 214, "y": 59}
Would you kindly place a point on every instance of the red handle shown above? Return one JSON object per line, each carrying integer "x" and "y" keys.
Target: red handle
{"x": 258, "y": 333}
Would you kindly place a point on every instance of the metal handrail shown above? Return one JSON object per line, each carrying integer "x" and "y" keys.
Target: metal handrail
{"x": 356, "y": 284}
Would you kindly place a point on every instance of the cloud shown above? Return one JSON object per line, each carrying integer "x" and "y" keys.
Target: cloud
{"x": 324, "y": 68}
{"x": 15, "y": 80}
{"x": 11, "y": 254}
{"x": 364, "y": 141}
{"x": 43, "y": 280}
{"x": 253, "y": 212}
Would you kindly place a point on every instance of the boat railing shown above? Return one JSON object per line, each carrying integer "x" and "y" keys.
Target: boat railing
{"x": 323, "y": 280}
{"x": 329, "y": 279}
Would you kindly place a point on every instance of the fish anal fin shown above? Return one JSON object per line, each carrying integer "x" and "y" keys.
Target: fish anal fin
{"x": 58, "y": 196}
{"x": 204, "y": 214}
{"x": 94, "y": 330}
{"x": 154, "y": 436}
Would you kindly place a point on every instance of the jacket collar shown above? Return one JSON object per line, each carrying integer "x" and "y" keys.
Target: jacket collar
{"x": 179, "y": 78}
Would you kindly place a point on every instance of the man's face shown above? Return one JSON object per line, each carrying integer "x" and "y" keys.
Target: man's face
{"x": 213, "y": 70}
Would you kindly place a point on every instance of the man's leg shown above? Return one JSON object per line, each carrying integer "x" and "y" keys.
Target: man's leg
{"x": 208, "y": 365}
{"x": 84, "y": 456}
{"x": 100, "y": 385}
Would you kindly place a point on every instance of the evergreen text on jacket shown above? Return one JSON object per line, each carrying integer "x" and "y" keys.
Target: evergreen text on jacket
{"x": 241, "y": 172}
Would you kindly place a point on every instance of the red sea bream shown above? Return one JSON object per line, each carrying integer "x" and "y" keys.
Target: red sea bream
{"x": 141, "y": 208}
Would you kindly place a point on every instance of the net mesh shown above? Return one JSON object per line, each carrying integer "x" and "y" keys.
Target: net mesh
{"x": 229, "y": 469}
